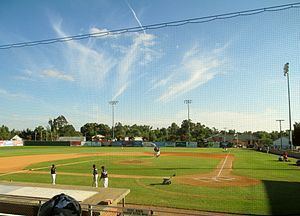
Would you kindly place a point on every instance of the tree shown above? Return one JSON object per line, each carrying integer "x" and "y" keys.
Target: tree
{"x": 4, "y": 133}
{"x": 104, "y": 130}
{"x": 58, "y": 123}
{"x": 173, "y": 132}
{"x": 27, "y": 134}
{"x": 264, "y": 138}
{"x": 39, "y": 133}
{"x": 200, "y": 133}
{"x": 120, "y": 132}
{"x": 60, "y": 127}
{"x": 296, "y": 134}
{"x": 69, "y": 130}
{"x": 89, "y": 130}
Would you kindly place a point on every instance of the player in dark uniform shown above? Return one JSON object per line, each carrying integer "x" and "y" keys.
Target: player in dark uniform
{"x": 53, "y": 173}
{"x": 95, "y": 176}
{"x": 156, "y": 151}
{"x": 104, "y": 176}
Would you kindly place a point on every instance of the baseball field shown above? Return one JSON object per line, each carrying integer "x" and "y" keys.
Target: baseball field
{"x": 234, "y": 181}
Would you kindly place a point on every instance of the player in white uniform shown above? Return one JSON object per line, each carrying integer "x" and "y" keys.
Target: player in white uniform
{"x": 95, "y": 176}
{"x": 53, "y": 174}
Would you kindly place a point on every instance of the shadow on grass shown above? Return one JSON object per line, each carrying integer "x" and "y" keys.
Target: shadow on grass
{"x": 153, "y": 184}
{"x": 284, "y": 197}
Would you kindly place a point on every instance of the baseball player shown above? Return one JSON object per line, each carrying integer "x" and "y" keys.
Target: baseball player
{"x": 53, "y": 173}
{"x": 95, "y": 176}
{"x": 156, "y": 151}
{"x": 104, "y": 176}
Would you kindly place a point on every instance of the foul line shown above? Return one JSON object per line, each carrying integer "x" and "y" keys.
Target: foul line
{"x": 39, "y": 168}
{"x": 222, "y": 166}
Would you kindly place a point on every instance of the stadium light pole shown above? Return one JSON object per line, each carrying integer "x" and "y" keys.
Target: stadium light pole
{"x": 224, "y": 138}
{"x": 188, "y": 102}
{"x": 237, "y": 138}
{"x": 280, "y": 120}
{"x": 113, "y": 103}
{"x": 286, "y": 73}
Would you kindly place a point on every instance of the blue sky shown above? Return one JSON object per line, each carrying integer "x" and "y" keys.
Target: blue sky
{"x": 232, "y": 69}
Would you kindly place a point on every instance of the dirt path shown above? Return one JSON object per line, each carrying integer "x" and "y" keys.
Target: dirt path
{"x": 110, "y": 175}
{"x": 18, "y": 163}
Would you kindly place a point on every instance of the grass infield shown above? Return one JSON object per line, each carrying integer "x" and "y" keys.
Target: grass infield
{"x": 276, "y": 194}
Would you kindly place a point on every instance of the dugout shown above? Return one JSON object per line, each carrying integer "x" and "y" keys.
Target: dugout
{"x": 25, "y": 198}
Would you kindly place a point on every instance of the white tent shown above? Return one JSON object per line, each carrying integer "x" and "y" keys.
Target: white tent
{"x": 16, "y": 138}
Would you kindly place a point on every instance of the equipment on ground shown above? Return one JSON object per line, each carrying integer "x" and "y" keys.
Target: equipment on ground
{"x": 168, "y": 180}
{"x": 60, "y": 205}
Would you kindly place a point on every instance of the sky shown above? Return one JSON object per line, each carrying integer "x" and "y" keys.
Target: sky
{"x": 231, "y": 69}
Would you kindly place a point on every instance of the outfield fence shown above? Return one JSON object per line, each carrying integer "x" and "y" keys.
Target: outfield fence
{"x": 109, "y": 143}
{"x": 4, "y": 143}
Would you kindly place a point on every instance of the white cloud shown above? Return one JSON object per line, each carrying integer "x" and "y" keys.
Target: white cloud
{"x": 26, "y": 75}
{"x": 10, "y": 95}
{"x": 195, "y": 69}
{"x": 57, "y": 75}
{"x": 95, "y": 30}
{"x": 125, "y": 69}
{"x": 92, "y": 66}
{"x": 88, "y": 65}
{"x": 102, "y": 33}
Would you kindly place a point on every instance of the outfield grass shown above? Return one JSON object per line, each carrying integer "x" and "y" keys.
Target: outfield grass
{"x": 277, "y": 194}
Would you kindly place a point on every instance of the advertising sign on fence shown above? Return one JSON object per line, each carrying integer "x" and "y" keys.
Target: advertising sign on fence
{"x": 4, "y": 143}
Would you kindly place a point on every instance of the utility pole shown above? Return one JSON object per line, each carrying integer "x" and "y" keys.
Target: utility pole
{"x": 188, "y": 102}
{"x": 113, "y": 104}
{"x": 280, "y": 120}
{"x": 286, "y": 73}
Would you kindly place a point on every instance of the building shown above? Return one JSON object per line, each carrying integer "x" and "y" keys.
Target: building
{"x": 285, "y": 143}
{"x": 246, "y": 140}
{"x": 98, "y": 137}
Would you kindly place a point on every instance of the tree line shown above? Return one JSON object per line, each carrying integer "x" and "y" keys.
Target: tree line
{"x": 187, "y": 131}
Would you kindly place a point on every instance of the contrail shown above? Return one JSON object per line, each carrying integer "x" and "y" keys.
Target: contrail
{"x": 136, "y": 18}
